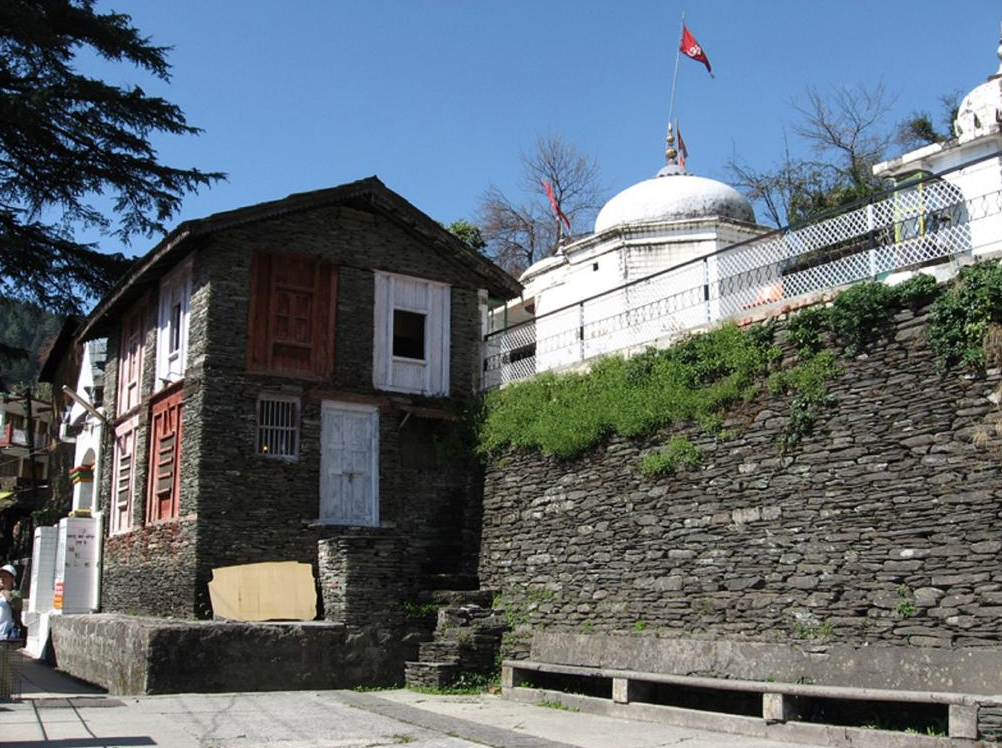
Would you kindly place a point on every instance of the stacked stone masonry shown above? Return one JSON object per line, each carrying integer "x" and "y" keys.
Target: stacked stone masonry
{"x": 134, "y": 655}
{"x": 881, "y": 528}
{"x": 237, "y": 506}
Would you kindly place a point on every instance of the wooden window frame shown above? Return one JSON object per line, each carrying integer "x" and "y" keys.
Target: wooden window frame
{"x": 263, "y": 338}
{"x": 165, "y": 425}
{"x": 262, "y": 441}
{"x": 130, "y": 359}
{"x": 172, "y": 327}
{"x": 121, "y": 512}
{"x": 436, "y": 309}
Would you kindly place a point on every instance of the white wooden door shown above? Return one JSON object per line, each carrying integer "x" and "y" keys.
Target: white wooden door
{"x": 349, "y": 464}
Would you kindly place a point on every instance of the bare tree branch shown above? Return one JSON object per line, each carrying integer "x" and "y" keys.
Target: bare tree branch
{"x": 845, "y": 128}
{"x": 520, "y": 233}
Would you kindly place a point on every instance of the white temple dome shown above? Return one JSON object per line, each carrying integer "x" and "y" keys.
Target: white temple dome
{"x": 675, "y": 196}
{"x": 980, "y": 113}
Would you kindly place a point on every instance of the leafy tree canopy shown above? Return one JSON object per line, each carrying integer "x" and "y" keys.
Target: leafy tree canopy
{"x": 25, "y": 331}
{"x": 468, "y": 233}
{"x": 66, "y": 138}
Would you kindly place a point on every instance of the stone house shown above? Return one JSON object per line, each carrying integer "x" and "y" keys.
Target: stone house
{"x": 283, "y": 375}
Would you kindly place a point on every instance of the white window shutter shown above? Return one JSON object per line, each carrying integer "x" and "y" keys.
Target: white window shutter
{"x": 175, "y": 290}
{"x": 429, "y": 375}
{"x": 382, "y": 335}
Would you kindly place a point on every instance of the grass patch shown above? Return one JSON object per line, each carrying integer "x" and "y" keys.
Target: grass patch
{"x": 468, "y": 684}
{"x": 567, "y": 414}
{"x": 419, "y": 610}
{"x": 679, "y": 451}
{"x": 557, "y": 705}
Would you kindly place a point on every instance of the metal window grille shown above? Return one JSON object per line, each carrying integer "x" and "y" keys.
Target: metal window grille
{"x": 278, "y": 426}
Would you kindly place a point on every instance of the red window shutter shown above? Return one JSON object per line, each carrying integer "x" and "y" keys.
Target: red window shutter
{"x": 324, "y": 310}
{"x": 291, "y": 315}
{"x": 164, "y": 459}
{"x": 292, "y": 326}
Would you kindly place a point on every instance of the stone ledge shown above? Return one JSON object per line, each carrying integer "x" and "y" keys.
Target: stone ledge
{"x": 756, "y": 727}
{"x": 778, "y": 718}
{"x": 138, "y": 655}
{"x": 971, "y": 670}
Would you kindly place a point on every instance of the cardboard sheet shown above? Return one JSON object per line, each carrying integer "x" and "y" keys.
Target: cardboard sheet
{"x": 272, "y": 591}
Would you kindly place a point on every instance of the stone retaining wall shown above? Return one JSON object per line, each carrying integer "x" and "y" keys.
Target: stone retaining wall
{"x": 972, "y": 670}
{"x": 881, "y": 528}
{"x": 132, "y": 655}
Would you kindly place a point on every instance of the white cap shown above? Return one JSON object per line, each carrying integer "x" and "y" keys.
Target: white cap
{"x": 9, "y": 569}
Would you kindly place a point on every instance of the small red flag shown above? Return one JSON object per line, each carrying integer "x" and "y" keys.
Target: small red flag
{"x": 683, "y": 152}
{"x": 553, "y": 204}
{"x": 691, "y": 48}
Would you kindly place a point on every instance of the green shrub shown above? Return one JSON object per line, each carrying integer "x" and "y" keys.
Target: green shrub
{"x": 807, "y": 329}
{"x": 960, "y": 317}
{"x": 917, "y": 291}
{"x": 862, "y": 314}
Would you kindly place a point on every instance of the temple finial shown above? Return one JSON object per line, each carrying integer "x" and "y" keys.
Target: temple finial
{"x": 672, "y": 165}
{"x": 999, "y": 51}
{"x": 670, "y": 153}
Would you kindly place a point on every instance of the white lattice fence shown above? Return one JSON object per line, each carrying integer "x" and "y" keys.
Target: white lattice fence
{"x": 926, "y": 223}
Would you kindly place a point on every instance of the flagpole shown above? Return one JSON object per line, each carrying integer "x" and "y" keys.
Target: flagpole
{"x": 674, "y": 77}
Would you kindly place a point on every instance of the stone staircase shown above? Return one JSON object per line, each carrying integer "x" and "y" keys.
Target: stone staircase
{"x": 466, "y": 641}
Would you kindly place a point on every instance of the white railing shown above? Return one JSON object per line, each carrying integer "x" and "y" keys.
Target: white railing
{"x": 927, "y": 222}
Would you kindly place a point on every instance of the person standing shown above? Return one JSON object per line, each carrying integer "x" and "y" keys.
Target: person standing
{"x": 9, "y": 603}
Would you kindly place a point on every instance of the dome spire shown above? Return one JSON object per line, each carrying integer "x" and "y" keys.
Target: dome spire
{"x": 672, "y": 166}
{"x": 999, "y": 53}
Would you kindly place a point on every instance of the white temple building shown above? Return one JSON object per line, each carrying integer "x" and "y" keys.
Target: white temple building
{"x": 583, "y": 298}
{"x": 972, "y": 161}
{"x": 678, "y": 252}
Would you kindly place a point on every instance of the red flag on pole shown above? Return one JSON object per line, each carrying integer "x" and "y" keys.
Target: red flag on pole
{"x": 553, "y": 204}
{"x": 691, "y": 48}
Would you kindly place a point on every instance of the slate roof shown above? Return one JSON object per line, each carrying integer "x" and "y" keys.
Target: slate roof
{"x": 368, "y": 194}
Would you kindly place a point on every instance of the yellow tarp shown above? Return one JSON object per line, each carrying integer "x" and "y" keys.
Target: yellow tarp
{"x": 272, "y": 591}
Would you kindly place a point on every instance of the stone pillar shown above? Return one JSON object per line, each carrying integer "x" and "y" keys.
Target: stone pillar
{"x": 774, "y": 707}
{"x": 362, "y": 579}
{"x": 963, "y": 721}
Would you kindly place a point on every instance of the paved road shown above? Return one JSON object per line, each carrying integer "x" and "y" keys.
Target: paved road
{"x": 56, "y": 711}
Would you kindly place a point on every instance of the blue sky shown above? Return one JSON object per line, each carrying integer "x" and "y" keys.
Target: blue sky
{"x": 439, "y": 97}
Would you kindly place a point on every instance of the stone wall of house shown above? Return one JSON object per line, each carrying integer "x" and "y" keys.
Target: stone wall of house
{"x": 151, "y": 569}
{"x": 256, "y": 508}
{"x": 881, "y": 528}
{"x": 241, "y": 507}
